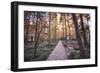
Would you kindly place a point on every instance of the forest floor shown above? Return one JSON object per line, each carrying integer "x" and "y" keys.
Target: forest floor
{"x": 44, "y": 50}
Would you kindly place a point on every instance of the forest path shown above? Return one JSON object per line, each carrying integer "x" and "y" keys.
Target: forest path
{"x": 59, "y": 52}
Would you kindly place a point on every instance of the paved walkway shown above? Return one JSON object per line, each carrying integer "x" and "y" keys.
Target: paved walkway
{"x": 59, "y": 52}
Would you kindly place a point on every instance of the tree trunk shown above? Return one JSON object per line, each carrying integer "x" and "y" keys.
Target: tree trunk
{"x": 27, "y": 27}
{"x": 36, "y": 31}
{"x": 78, "y": 36}
{"x": 83, "y": 30}
{"x": 55, "y": 32}
{"x": 68, "y": 28}
{"x": 65, "y": 28}
{"x": 55, "y": 28}
{"x": 49, "y": 36}
{"x": 37, "y": 34}
{"x": 27, "y": 32}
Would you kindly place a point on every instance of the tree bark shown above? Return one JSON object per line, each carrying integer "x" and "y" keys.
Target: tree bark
{"x": 27, "y": 27}
{"x": 83, "y": 29}
{"x": 27, "y": 32}
{"x": 68, "y": 28}
{"x": 55, "y": 19}
{"x": 65, "y": 28}
{"x": 78, "y": 36}
{"x": 36, "y": 31}
{"x": 49, "y": 36}
{"x": 37, "y": 34}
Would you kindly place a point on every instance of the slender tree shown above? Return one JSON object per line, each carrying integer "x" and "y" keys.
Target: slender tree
{"x": 65, "y": 28}
{"x": 83, "y": 30}
{"x": 87, "y": 28}
{"x": 78, "y": 36}
{"x": 49, "y": 36}
{"x": 27, "y": 19}
{"x": 36, "y": 31}
{"x": 55, "y": 26}
{"x": 62, "y": 24}
{"x": 68, "y": 27}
